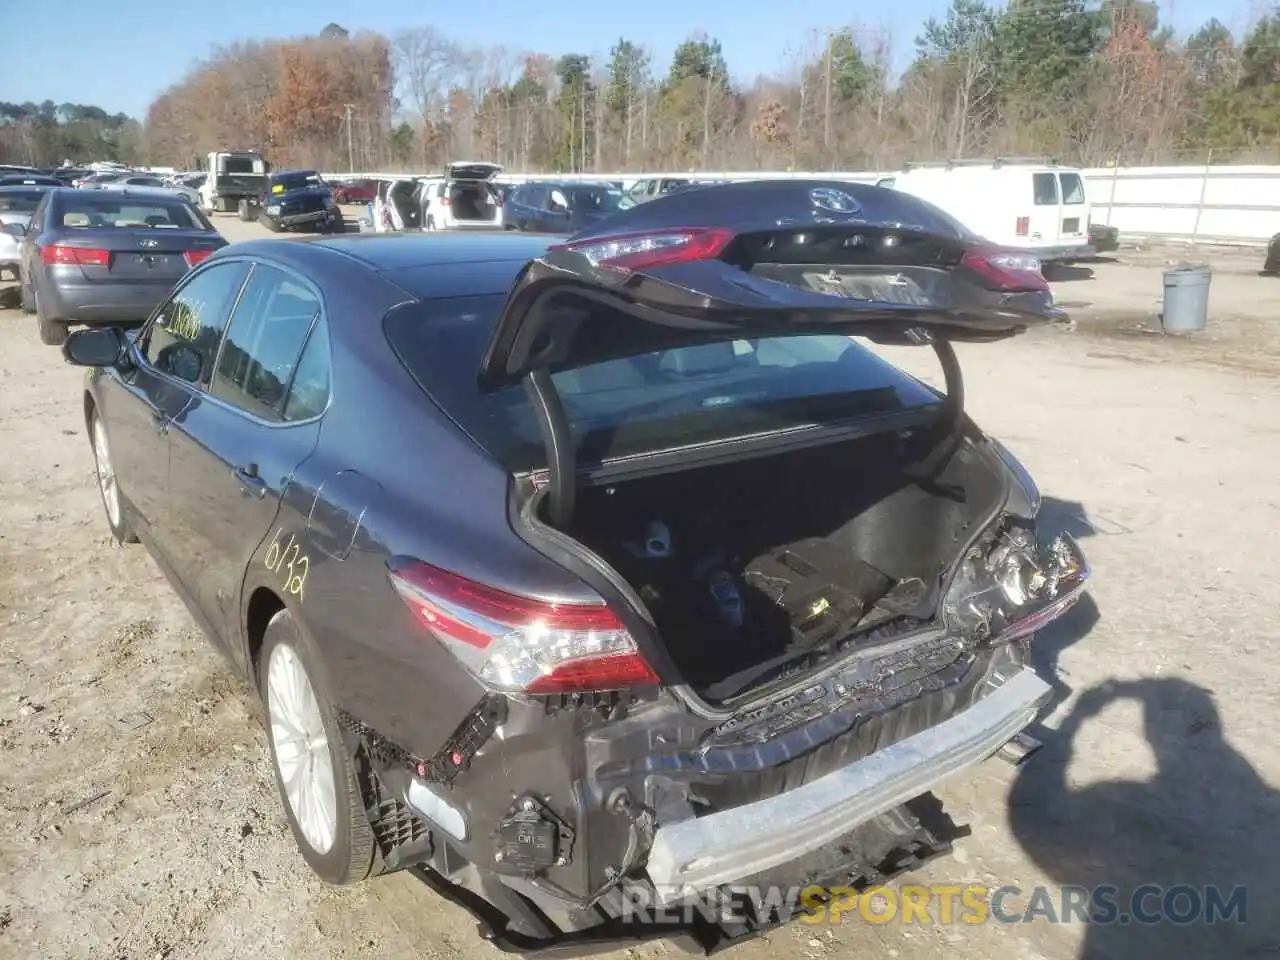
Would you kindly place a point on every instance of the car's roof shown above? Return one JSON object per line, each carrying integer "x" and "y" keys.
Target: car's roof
{"x": 292, "y": 173}
{"x": 25, "y": 187}
{"x": 423, "y": 265}
{"x": 392, "y": 252}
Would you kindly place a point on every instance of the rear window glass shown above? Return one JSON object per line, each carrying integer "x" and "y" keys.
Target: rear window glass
{"x": 241, "y": 165}
{"x": 90, "y": 212}
{"x": 1046, "y": 189}
{"x": 1072, "y": 188}
{"x": 685, "y": 395}
{"x": 20, "y": 201}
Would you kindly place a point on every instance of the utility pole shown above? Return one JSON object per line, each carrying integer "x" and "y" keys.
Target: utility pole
{"x": 351, "y": 148}
{"x": 826, "y": 126}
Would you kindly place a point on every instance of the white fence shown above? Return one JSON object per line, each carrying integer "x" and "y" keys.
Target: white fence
{"x": 1209, "y": 204}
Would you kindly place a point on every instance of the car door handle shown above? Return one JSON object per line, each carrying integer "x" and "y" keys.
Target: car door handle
{"x": 250, "y": 481}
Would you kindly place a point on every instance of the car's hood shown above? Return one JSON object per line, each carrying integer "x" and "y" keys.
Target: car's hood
{"x": 567, "y": 309}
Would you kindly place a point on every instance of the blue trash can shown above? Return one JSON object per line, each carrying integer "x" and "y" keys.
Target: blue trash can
{"x": 1186, "y": 299}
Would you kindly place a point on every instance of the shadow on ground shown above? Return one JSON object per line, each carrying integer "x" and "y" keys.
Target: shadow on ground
{"x": 1157, "y": 856}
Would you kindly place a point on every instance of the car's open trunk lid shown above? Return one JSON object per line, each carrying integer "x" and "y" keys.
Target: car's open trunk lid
{"x": 471, "y": 170}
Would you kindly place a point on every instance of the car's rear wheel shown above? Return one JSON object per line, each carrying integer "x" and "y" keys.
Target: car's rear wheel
{"x": 53, "y": 333}
{"x": 27, "y": 297}
{"x": 314, "y": 771}
{"x": 243, "y": 212}
{"x": 108, "y": 483}
{"x": 269, "y": 222}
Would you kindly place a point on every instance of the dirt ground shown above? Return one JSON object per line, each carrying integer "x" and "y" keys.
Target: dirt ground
{"x": 138, "y": 819}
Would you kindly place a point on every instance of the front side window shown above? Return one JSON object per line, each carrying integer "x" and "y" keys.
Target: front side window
{"x": 264, "y": 342}
{"x": 183, "y": 339}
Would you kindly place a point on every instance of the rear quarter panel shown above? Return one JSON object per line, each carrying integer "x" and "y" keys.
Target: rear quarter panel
{"x": 392, "y": 475}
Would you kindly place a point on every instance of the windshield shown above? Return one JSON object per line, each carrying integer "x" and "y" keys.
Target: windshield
{"x": 294, "y": 181}
{"x": 20, "y": 201}
{"x": 596, "y": 200}
{"x": 652, "y": 401}
{"x": 91, "y": 211}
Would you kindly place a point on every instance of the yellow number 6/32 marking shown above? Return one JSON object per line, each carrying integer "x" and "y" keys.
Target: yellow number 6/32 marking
{"x": 289, "y": 562}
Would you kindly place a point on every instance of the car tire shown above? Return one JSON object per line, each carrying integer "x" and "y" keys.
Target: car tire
{"x": 26, "y": 296}
{"x": 332, "y": 832}
{"x": 431, "y": 223}
{"x": 243, "y": 211}
{"x": 108, "y": 483}
{"x": 53, "y": 333}
{"x": 269, "y": 222}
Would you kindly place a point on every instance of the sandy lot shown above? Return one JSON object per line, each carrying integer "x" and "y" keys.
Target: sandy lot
{"x": 138, "y": 819}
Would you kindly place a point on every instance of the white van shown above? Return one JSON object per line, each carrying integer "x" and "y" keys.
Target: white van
{"x": 1033, "y": 206}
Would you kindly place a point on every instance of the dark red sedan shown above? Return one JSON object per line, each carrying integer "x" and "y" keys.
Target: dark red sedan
{"x": 354, "y": 191}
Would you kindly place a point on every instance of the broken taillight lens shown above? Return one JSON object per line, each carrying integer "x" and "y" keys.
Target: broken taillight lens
{"x": 519, "y": 644}
{"x": 640, "y": 251}
{"x": 1017, "y": 586}
{"x": 1006, "y": 271}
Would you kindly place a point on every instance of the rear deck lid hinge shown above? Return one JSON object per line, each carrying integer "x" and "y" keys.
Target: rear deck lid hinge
{"x": 557, "y": 438}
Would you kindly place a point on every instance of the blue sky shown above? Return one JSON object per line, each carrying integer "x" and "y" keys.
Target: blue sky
{"x": 118, "y": 54}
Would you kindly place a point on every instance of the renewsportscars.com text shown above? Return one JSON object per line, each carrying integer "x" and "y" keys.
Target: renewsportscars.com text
{"x": 946, "y": 904}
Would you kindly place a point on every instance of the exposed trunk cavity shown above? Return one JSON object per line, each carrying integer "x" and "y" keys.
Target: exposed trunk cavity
{"x": 764, "y": 568}
{"x": 472, "y": 201}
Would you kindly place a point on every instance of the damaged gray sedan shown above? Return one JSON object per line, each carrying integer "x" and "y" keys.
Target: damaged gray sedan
{"x": 592, "y": 580}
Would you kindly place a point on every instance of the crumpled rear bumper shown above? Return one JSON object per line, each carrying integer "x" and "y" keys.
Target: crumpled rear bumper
{"x": 700, "y": 853}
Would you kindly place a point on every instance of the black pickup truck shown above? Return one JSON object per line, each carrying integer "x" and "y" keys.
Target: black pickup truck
{"x": 294, "y": 200}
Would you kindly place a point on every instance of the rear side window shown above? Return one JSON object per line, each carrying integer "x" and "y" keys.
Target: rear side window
{"x": 309, "y": 391}
{"x": 1046, "y": 189}
{"x": 1072, "y": 188}
{"x": 264, "y": 342}
{"x": 684, "y": 395}
{"x": 183, "y": 339}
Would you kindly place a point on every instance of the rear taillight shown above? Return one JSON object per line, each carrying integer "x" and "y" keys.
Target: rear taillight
{"x": 81, "y": 256}
{"x": 640, "y": 251}
{"x": 1024, "y": 226}
{"x": 519, "y": 644}
{"x": 194, "y": 257}
{"x": 1005, "y": 271}
{"x": 445, "y": 201}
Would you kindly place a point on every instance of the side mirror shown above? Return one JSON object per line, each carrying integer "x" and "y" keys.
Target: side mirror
{"x": 95, "y": 347}
{"x": 559, "y": 201}
{"x": 14, "y": 229}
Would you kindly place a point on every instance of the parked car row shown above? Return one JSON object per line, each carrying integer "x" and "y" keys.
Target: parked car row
{"x": 466, "y": 197}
